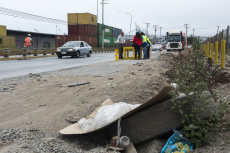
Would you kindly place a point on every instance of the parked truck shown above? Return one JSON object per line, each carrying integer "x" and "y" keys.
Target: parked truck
{"x": 174, "y": 40}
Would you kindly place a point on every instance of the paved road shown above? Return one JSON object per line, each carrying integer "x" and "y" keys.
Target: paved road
{"x": 15, "y": 68}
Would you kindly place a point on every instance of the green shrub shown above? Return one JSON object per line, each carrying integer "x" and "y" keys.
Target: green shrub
{"x": 190, "y": 75}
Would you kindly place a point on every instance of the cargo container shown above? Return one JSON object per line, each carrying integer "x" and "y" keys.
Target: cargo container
{"x": 62, "y": 39}
{"x": 115, "y": 42}
{"x": 92, "y": 41}
{"x": 3, "y": 30}
{"x": 81, "y": 18}
{"x": 108, "y": 30}
{"x": 84, "y": 29}
{"x": 73, "y": 30}
{"x": 7, "y": 41}
{"x": 116, "y": 32}
{"x": 107, "y": 41}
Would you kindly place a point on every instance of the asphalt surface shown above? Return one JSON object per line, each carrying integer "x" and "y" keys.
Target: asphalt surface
{"x": 15, "y": 68}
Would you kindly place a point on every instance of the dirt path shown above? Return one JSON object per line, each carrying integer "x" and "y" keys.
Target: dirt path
{"x": 49, "y": 105}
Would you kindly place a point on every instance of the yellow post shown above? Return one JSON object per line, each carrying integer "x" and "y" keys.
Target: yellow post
{"x": 211, "y": 51}
{"x": 216, "y": 52}
{"x": 116, "y": 55}
{"x": 134, "y": 52}
{"x": 222, "y": 57}
{"x": 207, "y": 49}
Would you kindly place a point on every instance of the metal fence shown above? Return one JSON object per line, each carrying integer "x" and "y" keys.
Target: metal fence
{"x": 224, "y": 34}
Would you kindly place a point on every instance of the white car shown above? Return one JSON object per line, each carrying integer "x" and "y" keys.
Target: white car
{"x": 189, "y": 46}
{"x": 74, "y": 49}
{"x": 156, "y": 47}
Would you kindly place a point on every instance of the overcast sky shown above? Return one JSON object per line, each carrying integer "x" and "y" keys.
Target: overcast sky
{"x": 169, "y": 14}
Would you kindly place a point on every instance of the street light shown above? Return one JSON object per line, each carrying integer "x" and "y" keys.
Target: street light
{"x": 130, "y": 24}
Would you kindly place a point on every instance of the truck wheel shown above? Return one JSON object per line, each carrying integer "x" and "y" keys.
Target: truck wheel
{"x": 153, "y": 121}
{"x": 59, "y": 56}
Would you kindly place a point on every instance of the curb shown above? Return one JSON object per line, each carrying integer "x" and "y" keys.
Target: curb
{"x": 25, "y": 58}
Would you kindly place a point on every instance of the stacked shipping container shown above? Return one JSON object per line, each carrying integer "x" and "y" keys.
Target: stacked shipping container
{"x": 84, "y": 27}
{"x": 110, "y": 35}
{"x": 81, "y": 26}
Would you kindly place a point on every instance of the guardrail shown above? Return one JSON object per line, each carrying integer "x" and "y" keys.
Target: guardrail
{"x": 44, "y": 51}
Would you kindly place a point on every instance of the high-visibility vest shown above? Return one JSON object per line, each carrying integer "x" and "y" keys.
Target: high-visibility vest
{"x": 148, "y": 41}
{"x": 27, "y": 42}
{"x": 144, "y": 39}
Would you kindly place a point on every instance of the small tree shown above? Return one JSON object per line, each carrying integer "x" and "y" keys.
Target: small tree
{"x": 193, "y": 79}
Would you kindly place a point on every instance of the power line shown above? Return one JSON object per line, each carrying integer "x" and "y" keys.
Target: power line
{"x": 24, "y": 15}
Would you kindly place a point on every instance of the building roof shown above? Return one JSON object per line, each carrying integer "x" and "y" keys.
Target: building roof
{"x": 29, "y": 32}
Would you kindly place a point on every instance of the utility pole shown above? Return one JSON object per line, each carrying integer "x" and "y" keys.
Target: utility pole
{"x": 155, "y": 27}
{"x": 103, "y": 3}
{"x": 218, "y": 30}
{"x": 97, "y": 10}
{"x": 56, "y": 29}
{"x": 148, "y": 25}
{"x": 193, "y": 34}
{"x": 130, "y": 24}
{"x": 160, "y": 34}
{"x": 186, "y": 26}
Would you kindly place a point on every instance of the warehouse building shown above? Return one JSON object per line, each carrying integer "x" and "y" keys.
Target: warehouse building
{"x": 40, "y": 40}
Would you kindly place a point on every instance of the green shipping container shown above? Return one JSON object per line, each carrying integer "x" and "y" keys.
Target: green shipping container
{"x": 115, "y": 41}
{"x": 107, "y": 41}
{"x": 108, "y": 30}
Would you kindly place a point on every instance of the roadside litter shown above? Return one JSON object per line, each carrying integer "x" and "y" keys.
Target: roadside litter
{"x": 106, "y": 115}
{"x": 177, "y": 143}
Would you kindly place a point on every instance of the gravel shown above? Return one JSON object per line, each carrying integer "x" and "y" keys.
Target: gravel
{"x": 33, "y": 140}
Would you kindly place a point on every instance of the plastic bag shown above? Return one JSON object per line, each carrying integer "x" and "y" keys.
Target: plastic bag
{"x": 105, "y": 115}
{"x": 177, "y": 144}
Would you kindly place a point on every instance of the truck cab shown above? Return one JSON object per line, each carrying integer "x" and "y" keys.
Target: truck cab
{"x": 174, "y": 40}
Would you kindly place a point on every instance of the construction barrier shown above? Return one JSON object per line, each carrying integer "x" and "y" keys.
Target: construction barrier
{"x": 35, "y": 52}
{"x": 6, "y": 53}
{"x": 24, "y": 52}
{"x": 116, "y": 55}
{"x": 52, "y": 51}
{"x": 44, "y": 51}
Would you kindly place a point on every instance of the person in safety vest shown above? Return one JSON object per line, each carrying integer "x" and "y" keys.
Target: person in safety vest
{"x": 148, "y": 48}
{"x": 27, "y": 44}
{"x": 144, "y": 44}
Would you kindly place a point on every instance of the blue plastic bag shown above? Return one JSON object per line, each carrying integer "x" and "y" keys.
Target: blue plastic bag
{"x": 177, "y": 143}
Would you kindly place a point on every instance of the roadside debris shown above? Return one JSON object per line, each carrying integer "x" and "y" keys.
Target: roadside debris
{"x": 73, "y": 85}
{"x": 177, "y": 143}
{"x": 106, "y": 115}
{"x": 138, "y": 64}
{"x": 33, "y": 75}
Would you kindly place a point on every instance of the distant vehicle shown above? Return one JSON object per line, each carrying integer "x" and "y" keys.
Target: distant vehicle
{"x": 174, "y": 40}
{"x": 189, "y": 46}
{"x": 156, "y": 47}
{"x": 74, "y": 49}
